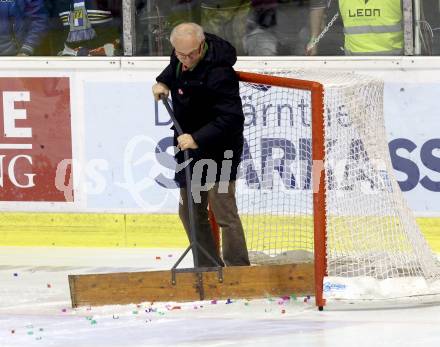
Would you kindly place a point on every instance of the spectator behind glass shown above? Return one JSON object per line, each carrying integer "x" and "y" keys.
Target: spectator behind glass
{"x": 92, "y": 27}
{"x": 373, "y": 27}
{"x": 23, "y": 24}
{"x": 227, "y": 19}
{"x": 261, "y": 38}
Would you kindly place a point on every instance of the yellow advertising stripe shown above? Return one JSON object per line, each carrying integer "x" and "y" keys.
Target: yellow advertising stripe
{"x": 430, "y": 228}
{"x": 91, "y": 230}
{"x": 119, "y": 230}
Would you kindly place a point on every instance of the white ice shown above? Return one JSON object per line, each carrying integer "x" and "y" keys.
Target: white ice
{"x": 35, "y": 310}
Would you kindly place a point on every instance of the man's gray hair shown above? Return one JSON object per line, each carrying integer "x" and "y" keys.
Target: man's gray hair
{"x": 187, "y": 29}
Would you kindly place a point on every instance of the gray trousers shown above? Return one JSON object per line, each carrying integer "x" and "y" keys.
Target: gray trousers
{"x": 225, "y": 210}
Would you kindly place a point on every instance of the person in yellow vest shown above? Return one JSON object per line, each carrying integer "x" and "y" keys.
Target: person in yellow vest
{"x": 371, "y": 27}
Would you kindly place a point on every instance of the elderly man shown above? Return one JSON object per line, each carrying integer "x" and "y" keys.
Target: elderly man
{"x": 207, "y": 105}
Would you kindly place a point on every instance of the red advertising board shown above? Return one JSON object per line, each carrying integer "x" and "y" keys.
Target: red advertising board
{"x": 35, "y": 137}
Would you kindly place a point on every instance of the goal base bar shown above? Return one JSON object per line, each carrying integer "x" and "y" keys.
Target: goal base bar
{"x": 249, "y": 282}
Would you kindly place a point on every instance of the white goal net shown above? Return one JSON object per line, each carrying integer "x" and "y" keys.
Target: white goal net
{"x": 374, "y": 248}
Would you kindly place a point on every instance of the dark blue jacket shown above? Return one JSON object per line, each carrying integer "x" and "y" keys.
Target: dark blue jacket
{"x": 22, "y": 26}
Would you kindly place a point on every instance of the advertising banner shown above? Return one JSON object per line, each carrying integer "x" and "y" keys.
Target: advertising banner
{"x": 35, "y": 137}
{"x": 98, "y": 142}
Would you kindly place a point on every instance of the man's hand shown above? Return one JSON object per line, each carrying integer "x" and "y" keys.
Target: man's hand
{"x": 186, "y": 141}
{"x": 160, "y": 89}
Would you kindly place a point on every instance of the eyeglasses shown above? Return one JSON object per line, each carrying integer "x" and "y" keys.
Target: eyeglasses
{"x": 191, "y": 55}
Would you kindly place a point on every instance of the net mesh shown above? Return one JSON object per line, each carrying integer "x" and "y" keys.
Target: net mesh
{"x": 370, "y": 230}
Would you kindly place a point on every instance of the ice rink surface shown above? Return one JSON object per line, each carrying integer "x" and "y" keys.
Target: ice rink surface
{"x": 35, "y": 310}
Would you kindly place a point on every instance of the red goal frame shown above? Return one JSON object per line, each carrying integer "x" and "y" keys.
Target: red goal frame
{"x": 318, "y": 178}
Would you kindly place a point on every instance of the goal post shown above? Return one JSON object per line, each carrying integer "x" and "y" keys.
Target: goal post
{"x": 316, "y": 184}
